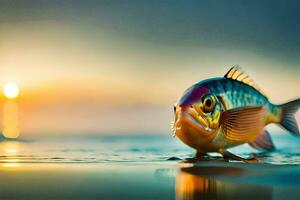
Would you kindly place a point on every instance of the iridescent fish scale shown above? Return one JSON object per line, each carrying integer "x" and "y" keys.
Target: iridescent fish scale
{"x": 220, "y": 87}
{"x": 236, "y": 94}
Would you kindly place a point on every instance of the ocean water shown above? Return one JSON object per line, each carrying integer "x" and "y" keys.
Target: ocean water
{"x": 142, "y": 167}
{"x": 129, "y": 148}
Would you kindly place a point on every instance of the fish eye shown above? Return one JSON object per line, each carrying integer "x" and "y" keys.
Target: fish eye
{"x": 208, "y": 103}
{"x": 174, "y": 109}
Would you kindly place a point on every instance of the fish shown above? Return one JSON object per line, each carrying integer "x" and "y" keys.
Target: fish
{"x": 219, "y": 113}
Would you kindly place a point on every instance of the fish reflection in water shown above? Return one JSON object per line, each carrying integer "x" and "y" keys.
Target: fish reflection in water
{"x": 201, "y": 183}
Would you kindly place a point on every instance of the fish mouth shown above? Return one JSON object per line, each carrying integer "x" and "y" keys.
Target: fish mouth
{"x": 188, "y": 116}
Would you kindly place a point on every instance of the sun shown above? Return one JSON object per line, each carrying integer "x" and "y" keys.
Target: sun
{"x": 11, "y": 90}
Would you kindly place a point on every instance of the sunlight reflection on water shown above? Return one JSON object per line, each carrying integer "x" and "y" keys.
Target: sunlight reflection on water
{"x": 10, "y": 119}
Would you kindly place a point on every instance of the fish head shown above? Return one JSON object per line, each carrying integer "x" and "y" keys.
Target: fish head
{"x": 197, "y": 115}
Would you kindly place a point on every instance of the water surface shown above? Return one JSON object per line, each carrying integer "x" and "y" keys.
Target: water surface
{"x": 142, "y": 167}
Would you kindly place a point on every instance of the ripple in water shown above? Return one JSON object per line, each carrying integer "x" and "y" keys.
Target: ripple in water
{"x": 98, "y": 149}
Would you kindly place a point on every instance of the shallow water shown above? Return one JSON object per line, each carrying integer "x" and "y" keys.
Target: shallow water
{"x": 142, "y": 167}
{"x": 150, "y": 148}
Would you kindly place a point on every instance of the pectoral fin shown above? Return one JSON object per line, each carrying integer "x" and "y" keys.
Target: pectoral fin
{"x": 263, "y": 142}
{"x": 242, "y": 124}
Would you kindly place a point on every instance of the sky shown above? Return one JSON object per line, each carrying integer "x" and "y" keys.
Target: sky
{"x": 113, "y": 67}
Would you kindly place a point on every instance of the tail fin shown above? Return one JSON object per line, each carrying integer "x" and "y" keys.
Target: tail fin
{"x": 287, "y": 119}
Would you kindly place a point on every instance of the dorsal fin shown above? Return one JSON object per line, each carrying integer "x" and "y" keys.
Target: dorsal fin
{"x": 237, "y": 74}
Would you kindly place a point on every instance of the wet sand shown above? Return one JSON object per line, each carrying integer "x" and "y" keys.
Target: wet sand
{"x": 158, "y": 180}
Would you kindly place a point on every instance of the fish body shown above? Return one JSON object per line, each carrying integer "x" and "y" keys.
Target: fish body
{"x": 219, "y": 113}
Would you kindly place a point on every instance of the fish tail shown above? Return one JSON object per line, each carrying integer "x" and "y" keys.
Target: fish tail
{"x": 287, "y": 117}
